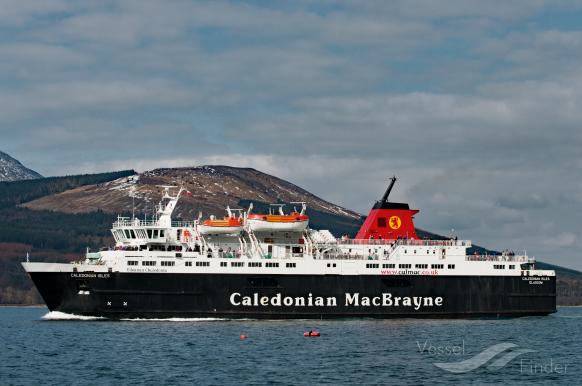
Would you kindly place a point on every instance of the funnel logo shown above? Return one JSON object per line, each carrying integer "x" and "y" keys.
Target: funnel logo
{"x": 486, "y": 358}
{"x": 394, "y": 222}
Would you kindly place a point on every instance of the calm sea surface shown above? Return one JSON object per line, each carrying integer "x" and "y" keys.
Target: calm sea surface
{"x": 535, "y": 351}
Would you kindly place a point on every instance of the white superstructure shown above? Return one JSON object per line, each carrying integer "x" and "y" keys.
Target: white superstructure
{"x": 161, "y": 245}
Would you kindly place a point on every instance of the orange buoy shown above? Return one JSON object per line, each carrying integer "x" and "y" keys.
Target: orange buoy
{"x": 243, "y": 337}
{"x": 311, "y": 333}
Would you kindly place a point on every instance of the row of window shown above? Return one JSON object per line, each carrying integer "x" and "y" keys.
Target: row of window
{"x": 254, "y": 264}
{"x": 155, "y": 233}
{"x": 150, "y": 263}
{"x": 294, "y": 265}
{"x": 242, "y": 264}
{"x": 502, "y": 266}
{"x": 128, "y": 234}
{"x": 408, "y": 266}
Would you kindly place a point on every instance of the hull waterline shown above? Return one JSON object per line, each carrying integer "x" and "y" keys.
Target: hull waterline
{"x": 127, "y": 295}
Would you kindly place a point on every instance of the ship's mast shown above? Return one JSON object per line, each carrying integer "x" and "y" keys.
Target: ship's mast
{"x": 165, "y": 212}
{"x": 132, "y": 193}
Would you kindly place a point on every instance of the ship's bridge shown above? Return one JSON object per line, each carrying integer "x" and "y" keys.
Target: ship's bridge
{"x": 133, "y": 232}
{"x": 127, "y": 231}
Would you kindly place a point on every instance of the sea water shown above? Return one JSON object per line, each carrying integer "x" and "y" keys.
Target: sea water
{"x": 42, "y": 348}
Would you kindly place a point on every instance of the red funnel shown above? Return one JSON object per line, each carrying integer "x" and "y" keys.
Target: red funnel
{"x": 389, "y": 220}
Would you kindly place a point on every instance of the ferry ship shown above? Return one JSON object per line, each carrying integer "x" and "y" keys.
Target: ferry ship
{"x": 251, "y": 265}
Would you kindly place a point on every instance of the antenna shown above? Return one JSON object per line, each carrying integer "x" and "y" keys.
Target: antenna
{"x": 167, "y": 190}
{"x": 277, "y": 206}
{"x": 303, "y": 206}
{"x": 385, "y": 196}
{"x": 132, "y": 193}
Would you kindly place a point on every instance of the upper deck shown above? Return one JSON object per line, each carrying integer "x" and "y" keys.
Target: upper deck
{"x": 162, "y": 238}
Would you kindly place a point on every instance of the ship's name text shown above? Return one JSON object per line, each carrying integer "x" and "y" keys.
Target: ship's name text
{"x": 91, "y": 275}
{"x": 350, "y": 300}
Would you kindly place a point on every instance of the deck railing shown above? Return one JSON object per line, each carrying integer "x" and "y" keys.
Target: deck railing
{"x": 124, "y": 223}
{"x": 463, "y": 243}
{"x": 500, "y": 258}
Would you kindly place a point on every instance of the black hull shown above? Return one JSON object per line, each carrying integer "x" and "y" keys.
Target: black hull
{"x": 165, "y": 295}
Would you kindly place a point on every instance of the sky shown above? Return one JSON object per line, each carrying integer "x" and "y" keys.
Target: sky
{"x": 476, "y": 106}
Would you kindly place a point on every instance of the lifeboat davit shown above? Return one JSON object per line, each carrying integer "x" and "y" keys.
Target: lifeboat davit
{"x": 292, "y": 222}
{"x": 228, "y": 225}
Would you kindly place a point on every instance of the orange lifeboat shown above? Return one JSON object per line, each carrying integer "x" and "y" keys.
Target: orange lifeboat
{"x": 228, "y": 225}
{"x": 281, "y": 222}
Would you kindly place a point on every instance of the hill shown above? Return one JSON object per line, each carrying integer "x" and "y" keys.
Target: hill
{"x": 12, "y": 170}
{"x": 17, "y": 192}
{"x": 212, "y": 187}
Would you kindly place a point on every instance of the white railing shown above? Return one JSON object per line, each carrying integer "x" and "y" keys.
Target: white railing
{"x": 500, "y": 258}
{"x": 124, "y": 223}
{"x": 183, "y": 224}
{"x": 348, "y": 256}
{"x": 448, "y": 243}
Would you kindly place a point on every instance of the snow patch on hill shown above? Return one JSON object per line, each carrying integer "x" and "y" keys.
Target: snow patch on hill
{"x": 12, "y": 170}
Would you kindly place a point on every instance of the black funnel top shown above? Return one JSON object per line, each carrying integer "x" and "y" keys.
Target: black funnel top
{"x": 384, "y": 204}
{"x": 387, "y": 193}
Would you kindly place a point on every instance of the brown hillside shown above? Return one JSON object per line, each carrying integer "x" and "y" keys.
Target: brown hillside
{"x": 212, "y": 187}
